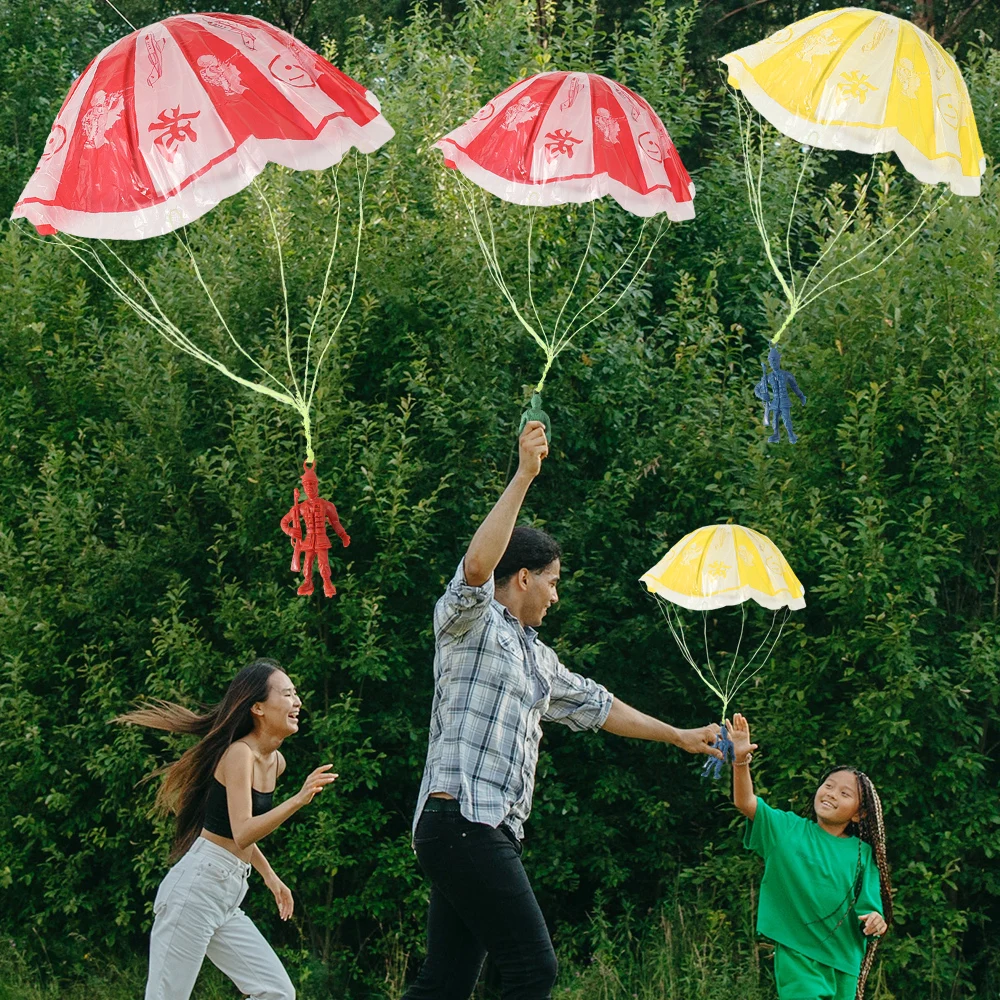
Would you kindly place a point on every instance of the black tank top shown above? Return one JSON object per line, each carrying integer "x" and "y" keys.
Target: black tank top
{"x": 217, "y": 808}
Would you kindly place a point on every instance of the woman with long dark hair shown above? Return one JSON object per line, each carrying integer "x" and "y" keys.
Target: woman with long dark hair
{"x": 221, "y": 791}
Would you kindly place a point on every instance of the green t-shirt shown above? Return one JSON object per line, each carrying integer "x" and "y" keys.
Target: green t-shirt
{"x": 808, "y": 887}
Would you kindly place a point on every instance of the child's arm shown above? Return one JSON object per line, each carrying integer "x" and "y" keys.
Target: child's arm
{"x": 743, "y": 795}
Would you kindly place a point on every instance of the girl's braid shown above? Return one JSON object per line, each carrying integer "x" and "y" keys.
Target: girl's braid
{"x": 871, "y": 829}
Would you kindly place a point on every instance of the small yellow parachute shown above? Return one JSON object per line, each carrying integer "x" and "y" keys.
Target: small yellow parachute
{"x": 716, "y": 567}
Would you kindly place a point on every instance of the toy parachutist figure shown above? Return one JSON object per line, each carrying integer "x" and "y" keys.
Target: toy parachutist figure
{"x": 713, "y": 766}
{"x": 775, "y": 391}
{"x": 535, "y": 412}
{"x": 315, "y": 512}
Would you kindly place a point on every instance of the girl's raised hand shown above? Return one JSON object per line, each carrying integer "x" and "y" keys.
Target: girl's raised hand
{"x": 315, "y": 783}
{"x": 739, "y": 733}
{"x": 873, "y": 923}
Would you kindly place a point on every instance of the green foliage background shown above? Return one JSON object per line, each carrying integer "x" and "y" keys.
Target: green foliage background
{"x": 140, "y": 556}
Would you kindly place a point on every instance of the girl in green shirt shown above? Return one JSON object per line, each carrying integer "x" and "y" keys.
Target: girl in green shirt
{"x": 825, "y": 899}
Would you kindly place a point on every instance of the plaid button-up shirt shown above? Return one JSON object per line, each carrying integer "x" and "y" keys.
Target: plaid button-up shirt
{"x": 495, "y": 683}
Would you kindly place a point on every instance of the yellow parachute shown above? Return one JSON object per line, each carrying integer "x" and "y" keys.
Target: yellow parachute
{"x": 716, "y": 567}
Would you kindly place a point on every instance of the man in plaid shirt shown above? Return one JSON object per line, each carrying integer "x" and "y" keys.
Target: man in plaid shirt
{"x": 495, "y": 682}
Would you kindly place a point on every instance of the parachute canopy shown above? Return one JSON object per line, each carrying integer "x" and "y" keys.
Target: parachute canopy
{"x": 725, "y": 564}
{"x": 869, "y": 82}
{"x": 173, "y": 118}
{"x": 711, "y": 569}
{"x": 555, "y": 138}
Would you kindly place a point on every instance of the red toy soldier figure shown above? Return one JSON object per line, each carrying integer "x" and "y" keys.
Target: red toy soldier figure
{"x": 315, "y": 511}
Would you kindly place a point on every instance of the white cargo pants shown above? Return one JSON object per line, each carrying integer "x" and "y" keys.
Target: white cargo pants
{"x": 197, "y": 913}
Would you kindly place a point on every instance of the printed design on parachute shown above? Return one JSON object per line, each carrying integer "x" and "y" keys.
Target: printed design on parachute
{"x": 879, "y": 36}
{"x": 154, "y": 50}
{"x": 55, "y": 142}
{"x": 561, "y": 141}
{"x": 248, "y": 39}
{"x": 174, "y": 127}
{"x": 773, "y": 564}
{"x": 719, "y": 569}
{"x": 693, "y": 554}
{"x": 223, "y": 75}
{"x": 949, "y": 110}
{"x": 823, "y": 43}
{"x": 648, "y": 144}
{"x": 294, "y": 74}
{"x": 607, "y": 125}
{"x": 628, "y": 98}
{"x": 575, "y": 86}
{"x": 517, "y": 114}
{"x": 856, "y": 85}
{"x": 104, "y": 111}
{"x": 909, "y": 78}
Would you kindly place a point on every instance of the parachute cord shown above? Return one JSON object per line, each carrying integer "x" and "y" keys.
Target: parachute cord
{"x": 121, "y": 15}
{"x": 492, "y": 260}
{"x": 708, "y": 663}
{"x": 565, "y": 340}
{"x": 754, "y": 185}
{"x": 791, "y": 219}
{"x": 335, "y": 243}
{"x": 551, "y": 345}
{"x": 822, "y": 289}
{"x": 678, "y": 633}
{"x": 743, "y": 678}
{"x": 220, "y": 317}
{"x": 362, "y": 182}
{"x": 732, "y": 665}
{"x": 158, "y": 320}
{"x": 531, "y": 298}
{"x": 258, "y": 187}
{"x": 802, "y": 292}
{"x": 576, "y": 278}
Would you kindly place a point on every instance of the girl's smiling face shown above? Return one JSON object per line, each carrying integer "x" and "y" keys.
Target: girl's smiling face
{"x": 837, "y": 800}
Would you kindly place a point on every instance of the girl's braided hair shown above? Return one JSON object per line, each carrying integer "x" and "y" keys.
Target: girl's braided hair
{"x": 871, "y": 829}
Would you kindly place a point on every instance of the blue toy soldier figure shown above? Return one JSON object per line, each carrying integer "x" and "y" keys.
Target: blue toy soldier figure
{"x": 775, "y": 390}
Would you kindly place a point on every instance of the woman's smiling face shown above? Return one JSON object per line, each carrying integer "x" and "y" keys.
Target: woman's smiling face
{"x": 837, "y": 800}
{"x": 279, "y": 715}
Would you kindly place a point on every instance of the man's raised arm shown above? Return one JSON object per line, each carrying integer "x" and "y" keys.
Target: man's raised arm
{"x": 490, "y": 540}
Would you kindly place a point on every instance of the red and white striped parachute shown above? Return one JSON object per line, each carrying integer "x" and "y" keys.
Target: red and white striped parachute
{"x": 572, "y": 137}
{"x": 173, "y": 118}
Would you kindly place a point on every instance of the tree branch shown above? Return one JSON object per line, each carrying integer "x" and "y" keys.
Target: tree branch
{"x": 739, "y": 10}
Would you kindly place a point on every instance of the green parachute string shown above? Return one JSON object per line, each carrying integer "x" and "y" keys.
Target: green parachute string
{"x": 724, "y": 684}
{"x": 552, "y": 342}
{"x": 802, "y": 289}
{"x": 298, "y": 394}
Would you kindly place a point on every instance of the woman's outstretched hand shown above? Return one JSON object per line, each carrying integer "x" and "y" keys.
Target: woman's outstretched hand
{"x": 315, "y": 783}
{"x": 739, "y": 733}
{"x": 282, "y": 896}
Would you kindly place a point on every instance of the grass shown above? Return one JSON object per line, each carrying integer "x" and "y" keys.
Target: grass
{"x": 679, "y": 954}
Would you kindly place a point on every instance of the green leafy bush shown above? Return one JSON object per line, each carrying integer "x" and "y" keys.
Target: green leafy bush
{"x": 140, "y": 556}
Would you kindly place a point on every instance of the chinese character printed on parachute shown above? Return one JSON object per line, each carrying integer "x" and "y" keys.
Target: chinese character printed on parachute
{"x": 562, "y": 142}
{"x": 174, "y": 128}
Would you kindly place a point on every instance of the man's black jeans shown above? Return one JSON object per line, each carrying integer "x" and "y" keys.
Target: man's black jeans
{"x": 481, "y": 901}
